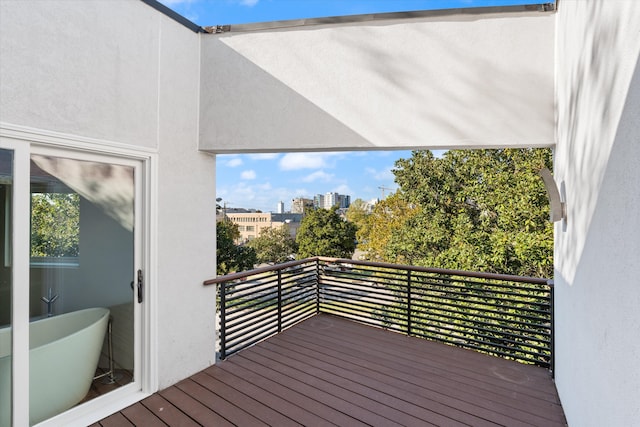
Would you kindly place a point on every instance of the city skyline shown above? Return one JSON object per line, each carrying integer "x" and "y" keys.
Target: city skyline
{"x": 261, "y": 181}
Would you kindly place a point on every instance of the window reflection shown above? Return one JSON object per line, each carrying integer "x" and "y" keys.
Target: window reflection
{"x": 81, "y": 300}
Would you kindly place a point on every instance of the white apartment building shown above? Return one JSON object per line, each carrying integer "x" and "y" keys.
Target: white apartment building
{"x": 331, "y": 199}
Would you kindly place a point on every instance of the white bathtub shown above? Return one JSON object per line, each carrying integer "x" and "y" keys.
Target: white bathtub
{"x": 63, "y": 356}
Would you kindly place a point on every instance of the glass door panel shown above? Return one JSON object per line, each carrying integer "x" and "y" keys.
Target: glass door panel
{"x": 6, "y": 279}
{"x": 81, "y": 302}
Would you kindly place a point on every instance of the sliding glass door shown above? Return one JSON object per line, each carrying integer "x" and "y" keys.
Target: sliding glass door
{"x": 80, "y": 299}
{"x": 6, "y": 284}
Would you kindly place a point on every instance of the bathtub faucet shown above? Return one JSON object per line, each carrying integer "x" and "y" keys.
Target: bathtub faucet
{"x": 49, "y": 300}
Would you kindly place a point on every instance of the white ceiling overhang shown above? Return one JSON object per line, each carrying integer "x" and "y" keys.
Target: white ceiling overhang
{"x": 446, "y": 81}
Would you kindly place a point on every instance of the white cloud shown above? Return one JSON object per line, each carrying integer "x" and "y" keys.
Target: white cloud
{"x": 256, "y": 196}
{"x": 343, "y": 189}
{"x": 248, "y": 175}
{"x": 249, "y": 3}
{"x": 295, "y": 161}
{"x": 235, "y": 162}
{"x": 264, "y": 156}
{"x": 318, "y": 176}
{"x": 381, "y": 175}
{"x": 299, "y": 192}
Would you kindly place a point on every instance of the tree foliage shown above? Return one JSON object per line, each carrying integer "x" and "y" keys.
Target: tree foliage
{"x": 55, "y": 225}
{"x": 324, "y": 233}
{"x": 231, "y": 257}
{"x": 274, "y": 245}
{"x": 387, "y": 219}
{"x": 482, "y": 210}
{"x": 357, "y": 213}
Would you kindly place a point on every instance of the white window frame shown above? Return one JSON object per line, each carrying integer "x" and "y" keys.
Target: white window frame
{"x": 24, "y": 142}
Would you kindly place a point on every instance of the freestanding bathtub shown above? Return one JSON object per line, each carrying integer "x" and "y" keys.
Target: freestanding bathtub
{"x": 63, "y": 356}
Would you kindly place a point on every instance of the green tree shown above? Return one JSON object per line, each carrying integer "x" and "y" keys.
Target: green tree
{"x": 274, "y": 245}
{"x": 388, "y": 217}
{"x": 55, "y": 225}
{"x": 231, "y": 257}
{"x": 324, "y": 233}
{"x": 484, "y": 210}
{"x": 357, "y": 213}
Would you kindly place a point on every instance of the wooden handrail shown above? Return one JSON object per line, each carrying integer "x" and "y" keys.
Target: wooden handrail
{"x": 481, "y": 275}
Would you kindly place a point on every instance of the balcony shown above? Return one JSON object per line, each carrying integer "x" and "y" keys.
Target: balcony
{"x": 339, "y": 342}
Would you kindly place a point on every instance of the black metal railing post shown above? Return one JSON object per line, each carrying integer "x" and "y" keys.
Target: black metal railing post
{"x": 279, "y": 301}
{"x": 552, "y": 364}
{"x": 317, "y": 286}
{"x": 223, "y": 320}
{"x": 409, "y": 302}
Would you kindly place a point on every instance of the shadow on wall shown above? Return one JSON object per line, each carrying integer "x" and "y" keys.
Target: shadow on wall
{"x": 595, "y": 70}
{"x": 595, "y": 314}
{"x": 402, "y": 84}
{"x": 460, "y": 95}
{"x": 251, "y": 87}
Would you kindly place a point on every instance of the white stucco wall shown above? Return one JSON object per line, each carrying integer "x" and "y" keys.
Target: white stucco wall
{"x": 445, "y": 81}
{"x": 124, "y": 74}
{"x": 186, "y": 215}
{"x": 88, "y": 70}
{"x": 598, "y": 252}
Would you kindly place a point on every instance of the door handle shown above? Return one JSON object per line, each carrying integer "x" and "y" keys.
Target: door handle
{"x": 140, "y": 286}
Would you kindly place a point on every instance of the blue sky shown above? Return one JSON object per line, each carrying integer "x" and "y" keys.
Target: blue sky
{"x": 220, "y": 12}
{"x": 260, "y": 181}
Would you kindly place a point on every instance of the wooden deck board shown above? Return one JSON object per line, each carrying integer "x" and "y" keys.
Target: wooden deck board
{"x": 319, "y": 389}
{"x": 167, "y": 412}
{"x": 331, "y": 371}
{"x": 285, "y": 406}
{"x": 383, "y": 390}
{"x": 411, "y": 377}
{"x": 140, "y": 415}
{"x": 451, "y": 364}
{"x": 116, "y": 420}
{"x": 344, "y": 389}
{"x": 232, "y": 412}
{"x": 198, "y": 413}
{"x": 411, "y": 353}
{"x": 248, "y": 404}
{"x": 332, "y": 409}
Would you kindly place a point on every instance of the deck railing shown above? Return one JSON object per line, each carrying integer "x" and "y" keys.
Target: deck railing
{"x": 503, "y": 315}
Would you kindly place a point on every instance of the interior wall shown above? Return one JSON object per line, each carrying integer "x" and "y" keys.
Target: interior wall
{"x": 598, "y": 249}
{"x": 104, "y": 273}
{"x": 457, "y": 80}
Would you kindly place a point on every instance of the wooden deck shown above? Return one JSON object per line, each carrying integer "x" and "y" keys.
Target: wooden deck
{"x": 331, "y": 371}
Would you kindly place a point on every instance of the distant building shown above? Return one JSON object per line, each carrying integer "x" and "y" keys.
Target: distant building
{"x": 280, "y": 208}
{"x": 300, "y": 205}
{"x": 344, "y": 201}
{"x": 368, "y": 206}
{"x": 250, "y": 224}
{"x": 332, "y": 199}
{"x": 318, "y": 201}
